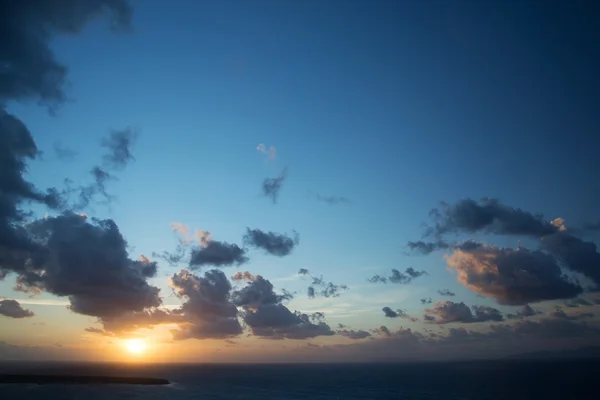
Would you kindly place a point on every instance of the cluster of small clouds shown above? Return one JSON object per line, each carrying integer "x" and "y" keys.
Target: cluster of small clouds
{"x": 398, "y": 277}
{"x": 320, "y": 287}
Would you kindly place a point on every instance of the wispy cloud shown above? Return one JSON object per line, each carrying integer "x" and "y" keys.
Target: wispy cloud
{"x": 270, "y": 152}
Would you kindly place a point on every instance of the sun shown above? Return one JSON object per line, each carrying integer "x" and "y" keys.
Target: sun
{"x": 135, "y": 346}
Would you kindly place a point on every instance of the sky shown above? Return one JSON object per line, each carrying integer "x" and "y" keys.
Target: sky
{"x": 230, "y": 181}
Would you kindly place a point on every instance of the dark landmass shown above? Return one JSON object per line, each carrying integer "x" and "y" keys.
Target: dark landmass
{"x": 82, "y": 380}
{"x": 582, "y": 353}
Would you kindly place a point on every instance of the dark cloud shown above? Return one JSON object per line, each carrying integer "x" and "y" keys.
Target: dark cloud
{"x": 577, "y": 302}
{"x": 576, "y": 254}
{"x": 218, "y": 254}
{"x": 512, "y": 276}
{"x": 29, "y": 67}
{"x": 119, "y": 145}
{"x": 243, "y": 276}
{"x": 208, "y": 307}
{"x": 389, "y": 313}
{"x": 561, "y": 314}
{"x": 320, "y": 287}
{"x": 490, "y": 216}
{"x": 524, "y": 312}
{"x": 398, "y": 277}
{"x": 272, "y": 186}
{"x": 64, "y": 153}
{"x": 87, "y": 260}
{"x": 266, "y": 316}
{"x": 445, "y": 312}
{"x": 354, "y": 335}
{"x": 446, "y": 292}
{"x": 12, "y": 308}
{"x": 332, "y": 200}
{"x": 273, "y": 243}
{"x": 426, "y": 300}
{"x": 427, "y": 247}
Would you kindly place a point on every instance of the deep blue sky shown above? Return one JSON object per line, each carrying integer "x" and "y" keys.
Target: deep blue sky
{"x": 395, "y": 105}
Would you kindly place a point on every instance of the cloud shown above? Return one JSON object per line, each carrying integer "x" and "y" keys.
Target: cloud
{"x": 426, "y": 300}
{"x": 33, "y": 71}
{"x": 524, "y": 312}
{"x": 98, "y": 331}
{"x": 561, "y": 314}
{"x": 12, "y": 308}
{"x": 207, "y": 306}
{"x": 119, "y": 145}
{"x": 398, "y": 277}
{"x": 218, "y": 254}
{"x": 332, "y": 200}
{"x": 446, "y": 292}
{"x": 576, "y": 302}
{"x": 490, "y": 216}
{"x": 187, "y": 237}
{"x": 389, "y": 313}
{"x": 272, "y": 186}
{"x": 354, "y": 335}
{"x": 86, "y": 261}
{"x": 576, "y": 254}
{"x": 243, "y": 276}
{"x": 427, "y": 247}
{"x": 266, "y": 316}
{"x": 320, "y": 287}
{"x": 270, "y": 152}
{"x": 512, "y": 276}
{"x": 273, "y": 243}
{"x": 445, "y": 312}
{"x": 64, "y": 153}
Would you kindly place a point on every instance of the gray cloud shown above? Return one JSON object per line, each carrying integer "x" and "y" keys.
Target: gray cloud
{"x": 447, "y": 311}
{"x": 524, "y": 312}
{"x": 320, "y": 287}
{"x": 426, "y": 300}
{"x": 575, "y": 254}
{"x": 64, "y": 153}
{"x": 119, "y": 144}
{"x": 30, "y": 69}
{"x": 208, "y": 307}
{"x": 218, "y": 254}
{"x": 273, "y": 243}
{"x": 446, "y": 292}
{"x": 491, "y": 216}
{"x": 266, "y": 316}
{"x": 332, "y": 200}
{"x": 354, "y": 335}
{"x": 512, "y": 276}
{"x": 272, "y": 186}
{"x": 398, "y": 277}
{"x": 389, "y": 313}
{"x": 423, "y": 247}
{"x": 561, "y": 314}
{"x": 577, "y": 302}
{"x": 12, "y": 308}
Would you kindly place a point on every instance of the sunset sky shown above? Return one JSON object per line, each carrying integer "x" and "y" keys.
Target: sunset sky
{"x": 417, "y": 179}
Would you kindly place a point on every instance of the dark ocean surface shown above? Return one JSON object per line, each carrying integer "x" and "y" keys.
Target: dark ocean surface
{"x": 436, "y": 381}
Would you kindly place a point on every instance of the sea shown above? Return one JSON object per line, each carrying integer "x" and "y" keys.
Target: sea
{"x": 505, "y": 379}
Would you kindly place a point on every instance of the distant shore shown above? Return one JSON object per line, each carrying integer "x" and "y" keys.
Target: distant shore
{"x": 82, "y": 380}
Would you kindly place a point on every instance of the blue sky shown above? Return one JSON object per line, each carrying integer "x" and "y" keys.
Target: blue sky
{"x": 393, "y": 105}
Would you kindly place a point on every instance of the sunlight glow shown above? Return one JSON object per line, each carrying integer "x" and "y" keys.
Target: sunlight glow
{"x": 135, "y": 346}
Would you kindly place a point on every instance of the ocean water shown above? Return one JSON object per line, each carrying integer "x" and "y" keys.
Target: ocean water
{"x": 435, "y": 381}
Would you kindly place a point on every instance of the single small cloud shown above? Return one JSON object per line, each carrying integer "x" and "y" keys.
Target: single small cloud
{"x": 426, "y": 300}
{"x": 12, "y": 309}
{"x": 389, "y": 313}
{"x": 524, "y": 312}
{"x": 270, "y": 152}
{"x": 243, "y": 276}
{"x": 446, "y": 292}
{"x": 272, "y": 186}
{"x": 320, "y": 287}
{"x": 273, "y": 243}
{"x": 218, "y": 254}
{"x": 187, "y": 237}
{"x": 332, "y": 200}
{"x": 119, "y": 144}
{"x": 354, "y": 335}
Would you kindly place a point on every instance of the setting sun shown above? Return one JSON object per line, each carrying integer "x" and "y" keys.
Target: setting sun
{"x": 135, "y": 346}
